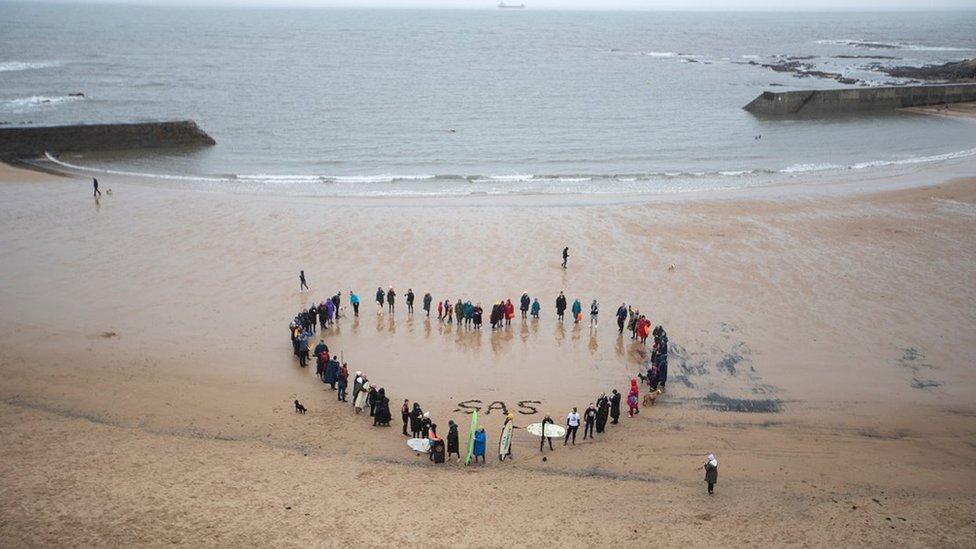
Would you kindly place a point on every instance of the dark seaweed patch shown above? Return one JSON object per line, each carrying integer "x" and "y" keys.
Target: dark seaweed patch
{"x": 925, "y": 383}
{"x": 722, "y": 403}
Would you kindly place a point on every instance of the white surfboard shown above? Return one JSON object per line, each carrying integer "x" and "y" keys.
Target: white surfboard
{"x": 421, "y": 445}
{"x": 552, "y": 430}
{"x": 505, "y": 441}
{"x": 361, "y": 397}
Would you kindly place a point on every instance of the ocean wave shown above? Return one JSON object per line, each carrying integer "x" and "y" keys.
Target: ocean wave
{"x": 875, "y": 45}
{"x": 804, "y": 168}
{"x": 21, "y": 104}
{"x": 11, "y": 66}
{"x": 914, "y": 160}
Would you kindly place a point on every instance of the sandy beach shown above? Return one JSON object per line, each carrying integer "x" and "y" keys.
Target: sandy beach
{"x": 149, "y": 380}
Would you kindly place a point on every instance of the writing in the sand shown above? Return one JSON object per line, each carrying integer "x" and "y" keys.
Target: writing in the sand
{"x": 524, "y": 407}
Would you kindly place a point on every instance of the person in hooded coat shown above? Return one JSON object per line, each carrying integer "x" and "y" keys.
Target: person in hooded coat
{"x": 560, "y": 306}
{"x": 459, "y": 312}
{"x": 509, "y": 312}
{"x": 357, "y": 385}
{"x": 480, "y": 444}
{"x": 382, "y": 416}
{"x": 536, "y": 307}
{"x": 380, "y": 296}
{"x": 321, "y": 361}
{"x": 303, "y": 349}
{"x": 602, "y": 411}
{"x": 577, "y": 310}
{"x": 524, "y": 303}
{"x": 453, "y": 445}
{"x": 390, "y": 299}
{"x": 332, "y": 372}
{"x": 372, "y": 400}
{"x": 615, "y": 406}
{"x": 410, "y": 297}
{"x": 427, "y": 301}
{"x": 711, "y": 472}
{"x": 343, "y": 381}
{"x": 425, "y": 425}
{"x": 632, "y": 401}
{"x": 416, "y": 420}
{"x": 476, "y": 316}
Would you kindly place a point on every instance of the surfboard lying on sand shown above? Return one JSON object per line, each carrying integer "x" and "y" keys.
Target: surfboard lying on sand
{"x": 552, "y": 430}
{"x": 421, "y": 445}
{"x": 474, "y": 429}
{"x": 505, "y": 441}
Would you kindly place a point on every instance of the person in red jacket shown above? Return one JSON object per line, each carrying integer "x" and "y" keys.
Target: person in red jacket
{"x": 509, "y": 312}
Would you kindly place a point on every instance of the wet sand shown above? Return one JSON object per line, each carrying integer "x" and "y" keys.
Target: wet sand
{"x": 149, "y": 378}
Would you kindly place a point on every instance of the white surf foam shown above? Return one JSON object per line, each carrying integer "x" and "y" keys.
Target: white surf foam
{"x": 10, "y": 66}
{"x": 22, "y": 104}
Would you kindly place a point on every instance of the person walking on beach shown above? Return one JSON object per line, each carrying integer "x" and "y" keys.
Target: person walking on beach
{"x": 560, "y": 306}
{"x": 524, "y": 305}
{"x": 405, "y": 416}
{"x": 572, "y": 425}
{"x": 410, "y": 297}
{"x": 615, "y": 407}
{"x": 536, "y": 307}
{"x": 453, "y": 446}
{"x": 302, "y": 285}
{"x": 97, "y": 193}
{"x": 621, "y": 317}
{"x": 354, "y": 299}
{"x": 565, "y": 256}
{"x": 379, "y": 300}
{"x": 589, "y": 421}
{"x": 594, "y": 313}
{"x": 577, "y": 311}
{"x": 427, "y": 300}
{"x": 390, "y": 296}
{"x": 343, "y": 381}
{"x": 711, "y": 472}
{"x": 546, "y": 421}
{"x": 632, "y": 401}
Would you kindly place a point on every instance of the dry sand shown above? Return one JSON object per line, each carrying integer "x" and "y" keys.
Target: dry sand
{"x": 148, "y": 377}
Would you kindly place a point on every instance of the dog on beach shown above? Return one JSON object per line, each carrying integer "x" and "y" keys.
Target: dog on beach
{"x": 299, "y": 408}
{"x": 649, "y": 398}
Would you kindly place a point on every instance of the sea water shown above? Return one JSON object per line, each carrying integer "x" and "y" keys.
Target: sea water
{"x": 442, "y": 102}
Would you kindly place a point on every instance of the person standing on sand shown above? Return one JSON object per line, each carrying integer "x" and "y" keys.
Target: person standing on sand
{"x": 602, "y": 411}
{"x": 416, "y": 419}
{"x": 546, "y": 421}
{"x": 410, "y": 297}
{"x": 97, "y": 193}
{"x": 390, "y": 297}
{"x": 536, "y": 307}
{"x": 565, "y": 256}
{"x": 372, "y": 400}
{"x": 405, "y": 416}
{"x": 572, "y": 425}
{"x": 594, "y": 313}
{"x": 354, "y": 299}
{"x": 632, "y": 399}
{"x": 615, "y": 407}
{"x": 440, "y": 310}
{"x": 427, "y": 300}
{"x": 303, "y": 349}
{"x": 711, "y": 472}
{"x": 480, "y": 443}
{"x": 476, "y": 316}
{"x": 468, "y": 313}
{"x": 524, "y": 305}
{"x": 577, "y": 311}
{"x": 509, "y": 312}
{"x": 453, "y": 446}
{"x": 379, "y": 300}
{"x": 302, "y": 286}
{"x": 459, "y": 312}
{"x": 343, "y": 381}
{"x": 589, "y": 420}
{"x": 560, "y": 306}
{"x": 621, "y": 318}
{"x": 357, "y": 385}
{"x": 425, "y": 425}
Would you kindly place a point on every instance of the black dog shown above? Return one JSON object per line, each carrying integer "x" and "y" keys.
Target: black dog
{"x": 299, "y": 408}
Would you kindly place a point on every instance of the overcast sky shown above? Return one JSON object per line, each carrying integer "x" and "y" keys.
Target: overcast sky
{"x": 594, "y": 4}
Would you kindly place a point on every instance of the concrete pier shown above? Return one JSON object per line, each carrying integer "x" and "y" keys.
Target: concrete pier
{"x": 33, "y": 141}
{"x": 826, "y": 102}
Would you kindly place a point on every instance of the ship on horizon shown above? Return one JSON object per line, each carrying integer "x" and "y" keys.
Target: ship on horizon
{"x": 503, "y": 5}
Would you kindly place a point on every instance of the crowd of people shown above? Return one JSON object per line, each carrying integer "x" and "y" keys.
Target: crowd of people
{"x": 417, "y": 423}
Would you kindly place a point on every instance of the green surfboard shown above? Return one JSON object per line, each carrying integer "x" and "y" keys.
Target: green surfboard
{"x": 474, "y": 429}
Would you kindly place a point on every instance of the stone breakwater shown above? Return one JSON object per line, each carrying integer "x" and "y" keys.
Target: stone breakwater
{"x": 33, "y": 141}
{"x": 826, "y": 102}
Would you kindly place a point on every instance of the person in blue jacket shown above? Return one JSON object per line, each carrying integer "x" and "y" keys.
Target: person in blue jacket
{"x": 577, "y": 310}
{"x": 480, "y": 442}
{"x": 354, "y": 299}
{"x": 536, "y": 307}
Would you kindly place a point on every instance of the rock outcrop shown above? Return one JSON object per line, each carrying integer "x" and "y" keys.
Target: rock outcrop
{"x": 31, "y": 142}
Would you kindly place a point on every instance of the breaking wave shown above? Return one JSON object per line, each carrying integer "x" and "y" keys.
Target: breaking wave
{"x": 875, "y": 45}
{"x": 10, "y": 66}
{"x": 22, "y": 104}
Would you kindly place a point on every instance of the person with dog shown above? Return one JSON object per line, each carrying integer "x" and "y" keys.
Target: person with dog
{"x": 711, "y": 473}
{"x": 572, "y": 425}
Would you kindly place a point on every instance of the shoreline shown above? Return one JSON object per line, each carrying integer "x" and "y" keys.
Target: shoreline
{"x": 854, "y": 312}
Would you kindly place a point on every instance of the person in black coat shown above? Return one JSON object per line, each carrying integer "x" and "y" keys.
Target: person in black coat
{"x": 372, "y": 400}
{"x": 560, "y": 306}
{"x": 614, "y": 406}
{"x": 602, "y": 411}
{"x": 621, "y": 317}
{"x": 382, "y": 416}
{"x": 427, "y": 300}
{"x": 410, "y": 297}
{"x": 453, "y": 447}
{"x": 524, "y": 305}
{"x": 425, "y": 425}
{"x": 416, "y": 419}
